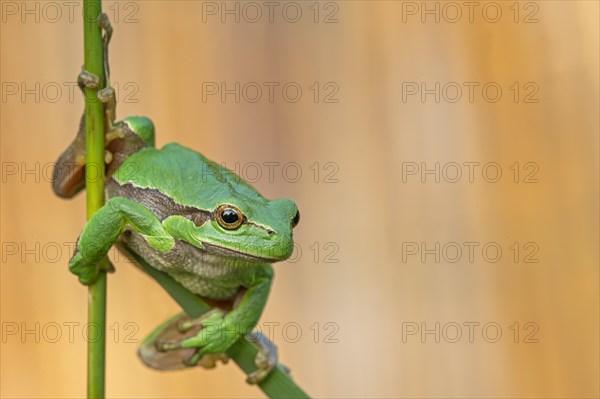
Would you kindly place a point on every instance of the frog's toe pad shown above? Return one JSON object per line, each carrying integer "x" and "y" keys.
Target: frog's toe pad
{"x": 207, "y": 361}
{"x": 88, "y": 79}
{"x": 106, "y": 94}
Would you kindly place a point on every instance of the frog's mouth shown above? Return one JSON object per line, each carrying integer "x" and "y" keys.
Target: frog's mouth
{"x": 237, "y": 254}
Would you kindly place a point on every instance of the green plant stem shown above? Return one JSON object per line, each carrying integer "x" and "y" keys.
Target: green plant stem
{"x": 277, "y": 385}
{"x": 94, "y": 181}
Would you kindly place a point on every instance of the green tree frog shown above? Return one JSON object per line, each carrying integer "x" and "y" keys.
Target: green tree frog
{"x": 189, "y": 217}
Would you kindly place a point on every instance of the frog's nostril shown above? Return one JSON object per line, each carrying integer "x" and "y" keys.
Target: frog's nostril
{"x": 270, "y": 232}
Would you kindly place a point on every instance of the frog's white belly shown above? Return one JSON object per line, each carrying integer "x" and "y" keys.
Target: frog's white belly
{"x": 207, "y": 274}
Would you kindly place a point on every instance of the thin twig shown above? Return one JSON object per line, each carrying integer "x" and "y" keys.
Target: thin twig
{"x": 94, "y": 182}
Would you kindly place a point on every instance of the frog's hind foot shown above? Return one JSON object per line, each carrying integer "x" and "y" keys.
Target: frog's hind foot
{"x": 108, "y": 96}
{"x": 104, "y": 23}
{"x": 186, "y": 324}
{"x": 207, "y": 360}
{"x": 162, "y": 349}
{"x": 86, "y": 79}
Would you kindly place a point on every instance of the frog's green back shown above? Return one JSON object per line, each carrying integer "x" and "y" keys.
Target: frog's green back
{"x": 185, "y": 176}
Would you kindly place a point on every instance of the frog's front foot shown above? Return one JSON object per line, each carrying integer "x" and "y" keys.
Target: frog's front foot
{"x": 266, "y": 359}
{"x": 86, "y": 271}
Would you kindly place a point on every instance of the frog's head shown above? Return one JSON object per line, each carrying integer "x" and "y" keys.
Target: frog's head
{"x": 250, "y": 228}
{"x": 222, "y": 214}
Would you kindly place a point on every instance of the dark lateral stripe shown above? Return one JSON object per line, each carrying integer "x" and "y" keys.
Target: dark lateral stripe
{"x": 160, "y": 204}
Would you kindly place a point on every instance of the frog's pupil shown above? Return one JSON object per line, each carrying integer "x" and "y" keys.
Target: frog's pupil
{"x": 296, "y": 219}
{"x": 229, "y": 216}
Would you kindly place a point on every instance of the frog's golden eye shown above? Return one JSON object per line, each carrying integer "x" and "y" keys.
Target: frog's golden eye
{"x": 229, "y": 217}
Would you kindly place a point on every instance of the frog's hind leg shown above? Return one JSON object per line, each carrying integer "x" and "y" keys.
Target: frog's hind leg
{"x": 68, "y": 176}
{"x": 69, "y": 172}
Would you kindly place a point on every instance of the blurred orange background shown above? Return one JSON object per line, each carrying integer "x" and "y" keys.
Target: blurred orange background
{"x": 369, "y": 98}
